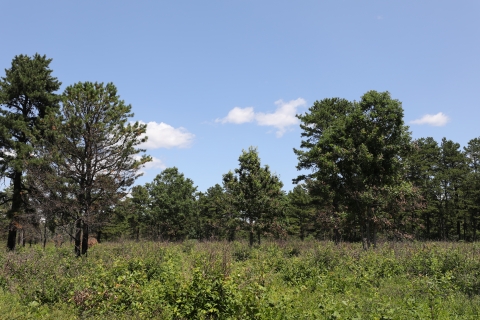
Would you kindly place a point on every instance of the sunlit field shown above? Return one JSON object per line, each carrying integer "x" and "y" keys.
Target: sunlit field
{"x": 220, "y": 280}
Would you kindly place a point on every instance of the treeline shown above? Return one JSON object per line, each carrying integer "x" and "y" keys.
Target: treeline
{"x": 438, "y": 200}
{"x": 72, "y": 158}
{"x": 368, "y": 178}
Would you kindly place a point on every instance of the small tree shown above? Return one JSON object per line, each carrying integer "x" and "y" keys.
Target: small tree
{"x": 299, "y": 214}
{"x": 172, "y": 205}
{"x": 258, "y": 193}
{"x": 213, "y": 213}
{"x": 26, "y": 98}
{"x": 94, "y": 157}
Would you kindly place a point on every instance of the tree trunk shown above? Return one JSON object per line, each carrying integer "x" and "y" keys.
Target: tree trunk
{"x": 474, "y": 222}
{"x": 231, "y": 234}
{"x": 84, "y": 238}
{"x": 12, "y": 236}
{"x": 15, "y": 210}
{"x": 428, "y": 225}
{"x": 459, "y": 232}
{"x": 44, "y": 236}
{"x": 78, "y": 237}
{"x": 363, "y": 232}
{"x": 367, "y": 230}
{"x": 21, "y": 238}
{"x": 251, "y": 237}
{"x": 336, "y": 235}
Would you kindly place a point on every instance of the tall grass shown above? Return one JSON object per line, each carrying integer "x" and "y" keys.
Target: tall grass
{"x": 220, "y": 280}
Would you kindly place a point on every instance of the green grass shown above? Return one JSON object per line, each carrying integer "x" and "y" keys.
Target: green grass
{"x": 288, "y": 280}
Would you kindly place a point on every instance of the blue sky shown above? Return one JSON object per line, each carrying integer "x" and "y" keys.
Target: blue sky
{"x": 214, "y": 77}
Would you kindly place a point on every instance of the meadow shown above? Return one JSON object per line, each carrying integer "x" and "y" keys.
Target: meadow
{"x": 221, "y": 280}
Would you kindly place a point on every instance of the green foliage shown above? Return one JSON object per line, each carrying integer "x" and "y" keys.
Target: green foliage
{"x": 130, "y": 217}
{"x": 207, "y": 281}
{"x": 172, "y": 206}
{"x": 27, "y": 103}
{"x": 92, "y": 159}
{"x": 216, "y": 214}
{"x": 355, "y": 151}
{"x": 301, "y": 211}
{"x": 257, "y": 194}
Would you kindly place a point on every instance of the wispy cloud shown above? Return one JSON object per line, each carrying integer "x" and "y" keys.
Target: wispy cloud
{"x": 154, "y": 164}
{"x": 281, "y": 119}
{"x": 437, "y": 120}
{"x": 238, "y": 116}
{"x": 162, "y": 135}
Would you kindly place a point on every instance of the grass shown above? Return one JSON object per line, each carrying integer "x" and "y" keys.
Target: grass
{"x": 219, "y": 280}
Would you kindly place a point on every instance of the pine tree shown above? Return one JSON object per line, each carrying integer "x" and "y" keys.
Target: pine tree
{"x": 27, "y": 98}
{"x": 172, "y": 205}
{"x": 355, "y": 152}
{"x": 93, "y": 159}
{"x": 258, "y": 194}
{"x": 471, "y": 187}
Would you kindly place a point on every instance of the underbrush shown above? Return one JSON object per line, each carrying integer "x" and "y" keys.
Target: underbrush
{"x": 287, "y": 280}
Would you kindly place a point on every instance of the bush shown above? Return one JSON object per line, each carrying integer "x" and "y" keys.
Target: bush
{"x": 193, "y": 280}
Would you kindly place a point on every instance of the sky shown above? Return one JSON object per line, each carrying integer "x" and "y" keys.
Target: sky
{"x": 211, "y": 78}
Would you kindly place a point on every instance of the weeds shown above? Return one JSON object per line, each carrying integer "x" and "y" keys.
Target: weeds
{"x": 195, "y": 280}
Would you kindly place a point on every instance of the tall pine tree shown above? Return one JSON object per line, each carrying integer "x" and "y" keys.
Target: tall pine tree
{"x": 27, "y": 97}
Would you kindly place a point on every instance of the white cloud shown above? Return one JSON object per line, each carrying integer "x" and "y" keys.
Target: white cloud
{"x": 437, "y": 120}
{"x": 238, "y": 116}
{"x": 283, "y": 118}
{"x": 155, "y": 164}
{"x": 162, "y": 135}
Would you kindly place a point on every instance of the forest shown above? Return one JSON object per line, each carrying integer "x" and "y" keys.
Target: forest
{"x": 366, "y": 206}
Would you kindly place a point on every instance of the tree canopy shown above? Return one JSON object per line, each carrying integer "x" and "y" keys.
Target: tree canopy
{"x": 93, "y": 158}
{"x": 27, "y": 97}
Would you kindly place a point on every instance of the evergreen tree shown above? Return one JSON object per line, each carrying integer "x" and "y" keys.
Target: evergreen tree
{"x": 451, "y": 173}
{"x": 129, "y": 218}
{"x": 471, "y": 188}
{"x": 300, "y": 212}
{"x": 27, "y": 97}
{"x": 93, "y": 159}
{"x": 173, "y": 208}
{"x": 258, "y": 194}
{"x": 214, "y": 213}
{"x": 423, "y": 166}
{"x": 355, "y": 151}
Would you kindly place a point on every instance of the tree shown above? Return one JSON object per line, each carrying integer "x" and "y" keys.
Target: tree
{"x": 452, "y": 169}
{"x": 214, "y": 214}
{"x": 172, "y": 205}
{"x": 355, "y": 151}
{"x": 301, "y": 212}
{"x": 129, "y": 217}
{"x": 27, "y": 97}
{"x": 422, "y": 168}
{"x": 258, "y": 193}
{"x": 471, "y": 187}
{"x": 94, "y": 158}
